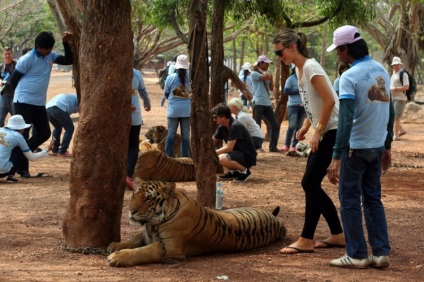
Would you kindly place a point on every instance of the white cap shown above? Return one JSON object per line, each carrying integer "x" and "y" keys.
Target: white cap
{"x": 264, "y": 58}
{"x": 396, "y": 61}
{"x": 246, "y": 66}
{"x": 344, "y": 35}
{"x": 17, "y": 122}
{"x": 182, "y": 62}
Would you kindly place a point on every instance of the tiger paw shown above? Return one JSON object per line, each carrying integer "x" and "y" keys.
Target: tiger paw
{"x": 121, "y": 258}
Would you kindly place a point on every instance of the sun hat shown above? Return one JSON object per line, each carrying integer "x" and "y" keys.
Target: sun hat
{"x": 344, "y": 35}
{"x": 182, "y": 62}
{"x": 246, "y": 66}
{"x": 264, "y": 58}
{"x": 17, "y": 122}
{"x": 396, "y": 61}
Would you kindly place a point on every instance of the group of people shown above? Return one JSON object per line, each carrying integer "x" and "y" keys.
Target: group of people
{"x": 352, "y": 130}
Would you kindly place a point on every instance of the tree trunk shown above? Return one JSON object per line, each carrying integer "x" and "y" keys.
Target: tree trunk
{"x": 98, "y": 167}
{"x": 203, "y": 154}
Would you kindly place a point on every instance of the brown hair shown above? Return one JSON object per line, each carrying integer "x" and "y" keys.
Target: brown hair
{"x": 7, "y": 49}
{"x": 288, "y": 36}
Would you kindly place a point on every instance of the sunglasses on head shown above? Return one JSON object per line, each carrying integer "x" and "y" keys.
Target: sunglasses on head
{"x": 279, "y": 53}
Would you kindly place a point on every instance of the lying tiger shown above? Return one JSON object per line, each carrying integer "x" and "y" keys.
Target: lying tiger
{"x": 176, "y": 226}
{"x": 156, "y": 165}
{"x": 157, "y": 135}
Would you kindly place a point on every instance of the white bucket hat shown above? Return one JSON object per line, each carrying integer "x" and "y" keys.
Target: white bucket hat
{"x": 182, "y": 62}
{"x": 17, "y": 122}
{"x": 246, "y": 66}
{"x": 396, "y": 61}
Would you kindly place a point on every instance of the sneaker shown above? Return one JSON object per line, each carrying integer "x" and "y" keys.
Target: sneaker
{"x": 66, "y": 154}
{"x": 11, "y": 179}
{"x": 242, "y": 177}
{"x": 293, "y": 149}
{"x": 230, "y": 175}
{"x": 348, "y": 262}
{"x": 379, "y": 261}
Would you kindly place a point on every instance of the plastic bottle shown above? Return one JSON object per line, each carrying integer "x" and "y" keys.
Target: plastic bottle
{"x": 219, "y": 202}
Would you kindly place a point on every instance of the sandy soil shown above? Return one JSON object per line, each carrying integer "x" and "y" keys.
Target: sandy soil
{"x": 32, "y": 210}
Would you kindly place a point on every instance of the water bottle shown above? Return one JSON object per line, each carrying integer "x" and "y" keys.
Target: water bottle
{"x": 219, "y": 202}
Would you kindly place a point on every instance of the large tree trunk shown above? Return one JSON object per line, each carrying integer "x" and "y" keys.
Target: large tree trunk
{"x": 203, "y": 154}
{"x": 98, "y": 167}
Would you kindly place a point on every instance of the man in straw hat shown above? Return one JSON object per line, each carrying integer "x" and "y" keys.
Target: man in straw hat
{"x": 12, "y": 145}
{"x": 398, "y": 93}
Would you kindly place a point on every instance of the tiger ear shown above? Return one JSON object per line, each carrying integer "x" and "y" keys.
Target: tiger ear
{"x": 169, "y": 189}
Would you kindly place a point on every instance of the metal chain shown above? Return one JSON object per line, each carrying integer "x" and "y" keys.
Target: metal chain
{"x": 85, "y": 250}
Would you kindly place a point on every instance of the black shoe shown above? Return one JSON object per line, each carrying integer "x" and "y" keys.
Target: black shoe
{"x": 11, "y": 179}
{"x": 275, "y": 150}
{"x": 230, "y": 175}
{"x": 25, "y": 174}
{"x": 243, "y": 176}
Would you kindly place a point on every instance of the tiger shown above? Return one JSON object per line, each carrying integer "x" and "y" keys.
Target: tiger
{"x": 156, "y": 165}
{"x": 157, "y": 135}
{"x": 175, "y": 226}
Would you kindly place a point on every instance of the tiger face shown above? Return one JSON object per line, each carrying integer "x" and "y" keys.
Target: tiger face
{"x": 156, "y": 134}
{"x": 148, "y": 200}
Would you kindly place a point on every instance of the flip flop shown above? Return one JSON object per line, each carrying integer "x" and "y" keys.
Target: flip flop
{"x": 298, "y": 251}
{"x": 327, "y": 245}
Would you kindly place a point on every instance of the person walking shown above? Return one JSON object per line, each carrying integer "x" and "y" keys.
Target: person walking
{"x": 262, "y": 85}
{"x": 241, "y": 114}
{"x": 30, "y": 81}
{"x": 321, "y": 105}
{"x": 296, "y": 112}
{"x": 399, "y": 98}
{"x": 59, "y": 109}
{"x": 244, "y": 76}
{"x": 177, "y": 89}
{"x": 360, "y": 149}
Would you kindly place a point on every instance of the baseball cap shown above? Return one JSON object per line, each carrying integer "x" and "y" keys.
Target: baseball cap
{"x": 396, "y": 61}
{"x": 344, "y": 35}
{"x": 264, "y": 58}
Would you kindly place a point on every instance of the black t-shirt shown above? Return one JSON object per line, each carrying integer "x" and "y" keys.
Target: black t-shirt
{"x": 4, "y": 70}
{"x": 238, "y": 132}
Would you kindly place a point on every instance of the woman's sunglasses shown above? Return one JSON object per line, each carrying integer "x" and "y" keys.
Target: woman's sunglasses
{"x": 279, "y": 53}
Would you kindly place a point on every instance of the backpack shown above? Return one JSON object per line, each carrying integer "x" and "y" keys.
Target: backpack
{"x": 412, "y": 84}
{"x": 163, "y": 74}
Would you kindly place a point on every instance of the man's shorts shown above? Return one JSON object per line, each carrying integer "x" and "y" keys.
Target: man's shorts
{"x": 238, "y": 156}
{"x": 399, "y": 106}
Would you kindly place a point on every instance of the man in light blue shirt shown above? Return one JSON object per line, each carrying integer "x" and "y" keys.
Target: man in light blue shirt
{"x": 30, "y": 81}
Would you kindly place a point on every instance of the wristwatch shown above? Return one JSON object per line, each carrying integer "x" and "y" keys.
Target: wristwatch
{"x": 320, "y": 127}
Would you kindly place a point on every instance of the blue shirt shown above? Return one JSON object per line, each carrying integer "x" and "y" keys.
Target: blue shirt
{"x": 9, "y": 139}
{"x": 291, "y": 88}
{"x": 66, "y": 102}
{"x": 177, "y": 106}
{"x": 36, "y": 70}
{"x": 248, "y": 83}
{"x": 368, "y": 84}
{"x": 336, "y": 85}
{"x": 139, "y": 89}
{"x": 260, "y": 93}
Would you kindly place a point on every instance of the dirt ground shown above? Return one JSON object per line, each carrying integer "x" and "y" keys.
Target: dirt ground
{"x": 32, "y": 210}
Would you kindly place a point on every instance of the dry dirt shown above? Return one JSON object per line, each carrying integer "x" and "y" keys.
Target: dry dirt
{"x": 32, "y": 210}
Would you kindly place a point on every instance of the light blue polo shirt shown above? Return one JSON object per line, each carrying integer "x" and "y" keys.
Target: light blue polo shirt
{"x": 9, "y": 139}
{"x": 67, "y": 102}
{"x": 137, "y": 85}
{"x": 248, "y": 82}
{"x": 260, "y": 93}
{"x": 36, "y": 70}
{"x": 177, "y": 106}
{"x": 368, "y": 84}
{"x": 292, "y": 85}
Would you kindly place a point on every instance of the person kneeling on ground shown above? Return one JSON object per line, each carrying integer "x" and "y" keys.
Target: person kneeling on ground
{"x": 12, "y": 145}
{"x": 239, "y": 153}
